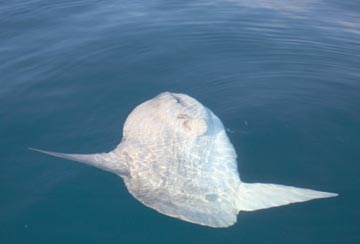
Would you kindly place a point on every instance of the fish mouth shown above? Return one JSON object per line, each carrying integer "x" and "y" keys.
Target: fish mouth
{"x": 177, "y": 98}
{"x": 184, "y": 107}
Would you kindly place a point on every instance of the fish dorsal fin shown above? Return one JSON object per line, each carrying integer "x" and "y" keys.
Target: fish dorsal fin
{"x": 106, "y": 161}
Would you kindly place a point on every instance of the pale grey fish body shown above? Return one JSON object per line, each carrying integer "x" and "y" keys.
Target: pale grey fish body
{"x": 176, "y": 158}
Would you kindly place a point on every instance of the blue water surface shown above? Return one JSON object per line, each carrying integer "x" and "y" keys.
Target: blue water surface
{"x": 283, "y": 76}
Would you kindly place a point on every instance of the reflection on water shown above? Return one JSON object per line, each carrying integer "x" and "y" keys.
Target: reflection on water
{"x": 283, "y": 77}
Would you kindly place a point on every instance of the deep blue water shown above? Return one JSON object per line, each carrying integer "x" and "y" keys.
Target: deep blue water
{"x": 284, "y": 78}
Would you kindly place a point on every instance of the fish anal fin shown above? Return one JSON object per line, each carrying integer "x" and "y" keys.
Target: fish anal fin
{"x": 260, "y": 196}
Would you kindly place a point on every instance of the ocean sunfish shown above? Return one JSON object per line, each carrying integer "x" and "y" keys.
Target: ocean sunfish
{"x": 176, "y": 158}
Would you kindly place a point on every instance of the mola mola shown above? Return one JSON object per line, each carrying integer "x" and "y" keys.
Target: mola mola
{"x": 176, "y": 158}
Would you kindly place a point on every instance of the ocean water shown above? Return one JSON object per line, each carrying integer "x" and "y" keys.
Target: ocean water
{"x": 283, "y": 76}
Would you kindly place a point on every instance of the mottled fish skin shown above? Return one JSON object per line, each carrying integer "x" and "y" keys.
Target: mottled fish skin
{"x": 181, "y": 161}
{"x": 176, "y": 158}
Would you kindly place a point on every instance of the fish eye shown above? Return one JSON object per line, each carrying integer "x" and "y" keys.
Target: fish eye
{"x": 196, "y": 127}
{"x": 183, "y": 116}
